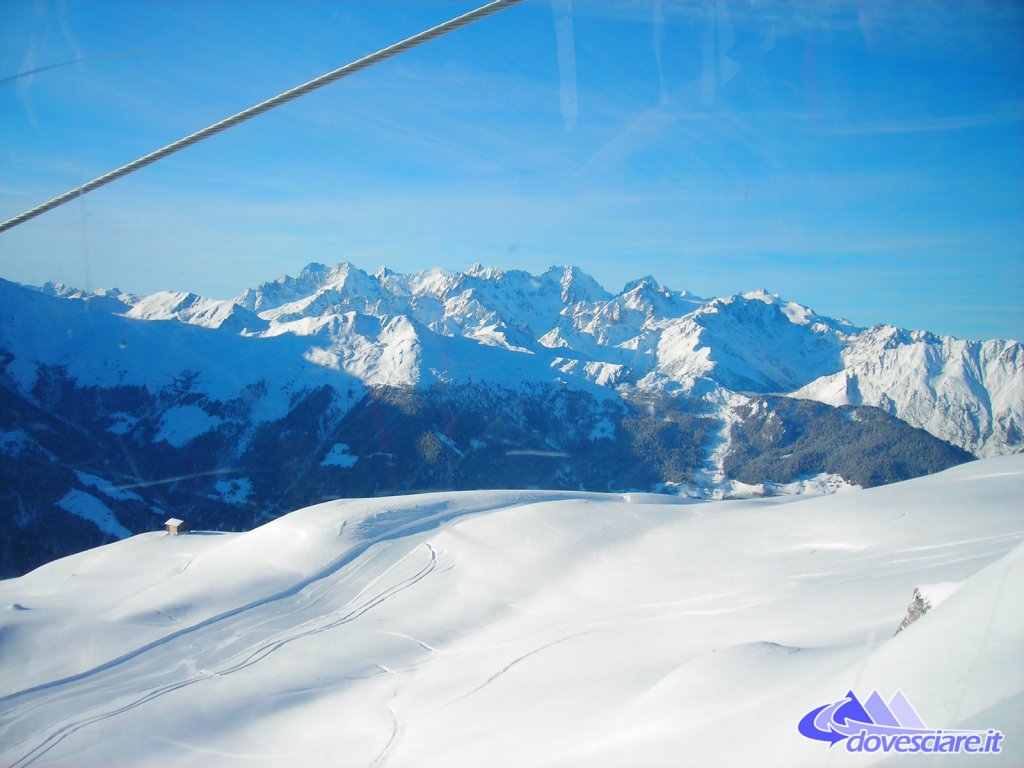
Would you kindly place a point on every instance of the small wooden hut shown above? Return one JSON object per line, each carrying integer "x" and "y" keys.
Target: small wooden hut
{"x": 174, "y": 526}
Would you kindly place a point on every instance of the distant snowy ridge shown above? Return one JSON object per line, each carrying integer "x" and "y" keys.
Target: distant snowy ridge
{"x": 387, "y": 327}
{"x": 969, "y": 393}
{"x": 193, "y": 309}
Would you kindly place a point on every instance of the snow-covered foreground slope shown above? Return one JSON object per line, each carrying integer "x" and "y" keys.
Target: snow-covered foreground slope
{"x": 522, "y": 629}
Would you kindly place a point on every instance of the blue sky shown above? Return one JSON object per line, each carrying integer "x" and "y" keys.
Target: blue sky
{"x": 864, "y": 158}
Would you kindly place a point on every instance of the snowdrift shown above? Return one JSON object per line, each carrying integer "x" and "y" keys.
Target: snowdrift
{"x": 524, "y": 629}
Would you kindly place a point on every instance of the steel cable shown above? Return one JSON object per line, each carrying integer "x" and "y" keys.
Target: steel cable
{"x": 266, "y": 106}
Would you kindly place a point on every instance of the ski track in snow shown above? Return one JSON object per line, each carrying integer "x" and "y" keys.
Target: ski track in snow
{"x": 516, "y": 661}
{"x": 380, "y": 758}
{"x": 857, "y": 573}
{"x": 221, "y": 753}
{"x": 425, "y": 646}
{"x": 711, "y": 474}
{"x": 936, "y": 555}
{"x": 419, "y": 524}
{"x": 307, "y": 593}
{"x": 254, "y": 655}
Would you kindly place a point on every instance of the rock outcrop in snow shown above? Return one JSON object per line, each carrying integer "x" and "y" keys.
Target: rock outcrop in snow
{"x": 919, "y": 606}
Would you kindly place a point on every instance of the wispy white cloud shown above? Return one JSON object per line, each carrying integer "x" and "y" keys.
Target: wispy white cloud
{"x": 922, "y": 15}
{"x": 931, "y": 124}
{"x": 566, "y": 61}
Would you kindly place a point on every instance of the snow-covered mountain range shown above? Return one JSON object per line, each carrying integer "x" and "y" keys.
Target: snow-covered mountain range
{"x": 647, "y": 337}
{"x": 339, "y": 382}
{"x": 524, "y": 628}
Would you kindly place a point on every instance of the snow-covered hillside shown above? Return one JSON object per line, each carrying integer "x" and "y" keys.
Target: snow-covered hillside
{"x": 525, "y": 628}
{"x": 969, "y": 393}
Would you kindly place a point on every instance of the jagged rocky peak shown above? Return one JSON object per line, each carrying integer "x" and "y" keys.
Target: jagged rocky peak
{"x": 645, "y": 284}
{"x": 315, "y": 270}
{"x": 107, "y": 299}
{"x": 51, "y": 288}
{"x": 392, "y": 281}
{"x": 577, "y": 285}
{"x": 64, "y": 291}
{"x": 191, "y": 308}
{"x": 651, "y": 297}
{"x": 344, "y": 277}
{"x": 436, "y": 283}
{"x": 764, "y": 307}
{"x": 566, "y": 285}
{"x": 481, "y": 272}
{"x": 573, "y": 283}
{"x": 273, "y": 293}
{"x": 761, "y": 294}
{"x": 313, "y": 277}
